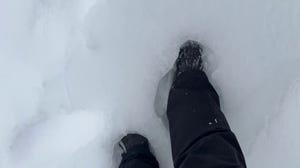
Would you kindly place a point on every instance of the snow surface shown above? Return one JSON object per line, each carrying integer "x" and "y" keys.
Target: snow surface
{"x": 76, "y": 75}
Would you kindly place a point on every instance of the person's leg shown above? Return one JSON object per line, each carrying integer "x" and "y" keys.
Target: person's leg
{"x": 136, "y": 152}
{"x": 200, "y": 134}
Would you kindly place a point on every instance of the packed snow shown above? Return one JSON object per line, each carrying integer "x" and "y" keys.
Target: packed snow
{"x": 76, "y": 75}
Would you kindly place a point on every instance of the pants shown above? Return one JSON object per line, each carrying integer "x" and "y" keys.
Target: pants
{"x": 200, "y": 134}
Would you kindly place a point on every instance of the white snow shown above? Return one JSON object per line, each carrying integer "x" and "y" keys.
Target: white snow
{"x": 76, "y": 75}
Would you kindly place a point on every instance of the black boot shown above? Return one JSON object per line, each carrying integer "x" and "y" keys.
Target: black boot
{"x": 136, "y": 152}
{"x": 132, "y": 141}
{"x": 190, "y": 58}
{"x": 189, "y": 72}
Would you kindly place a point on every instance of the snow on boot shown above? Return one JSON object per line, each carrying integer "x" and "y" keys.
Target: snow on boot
{"x": 190, "y": 57}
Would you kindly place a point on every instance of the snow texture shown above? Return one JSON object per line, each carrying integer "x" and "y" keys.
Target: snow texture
{"x": 76, "y": 75}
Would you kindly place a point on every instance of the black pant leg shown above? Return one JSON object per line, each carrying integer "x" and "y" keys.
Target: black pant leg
{"x": 139, "y": 158}
{"x": 200, "y": 134}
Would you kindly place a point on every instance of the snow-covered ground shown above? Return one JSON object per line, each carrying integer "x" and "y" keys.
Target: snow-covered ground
{"x": 76, "y": 75}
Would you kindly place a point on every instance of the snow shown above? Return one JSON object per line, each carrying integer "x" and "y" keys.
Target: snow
{"x": 76, "y": 75}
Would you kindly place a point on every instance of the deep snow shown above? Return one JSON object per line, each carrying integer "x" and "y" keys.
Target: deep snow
{"x": 76, "y": 75}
